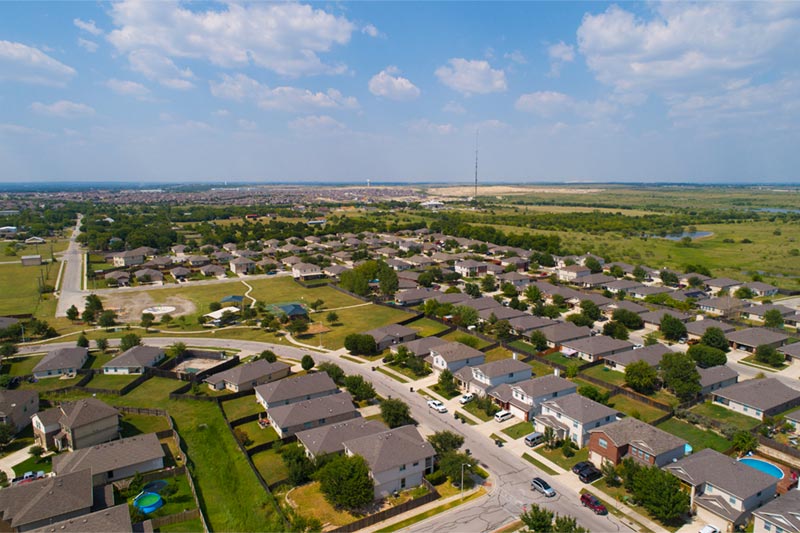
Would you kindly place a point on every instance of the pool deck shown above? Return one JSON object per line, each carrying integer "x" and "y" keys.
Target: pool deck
{"x": 786, "y": 483}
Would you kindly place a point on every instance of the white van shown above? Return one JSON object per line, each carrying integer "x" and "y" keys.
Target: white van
{"x": 534, "y": 439}
{"x": 502, "y": 416}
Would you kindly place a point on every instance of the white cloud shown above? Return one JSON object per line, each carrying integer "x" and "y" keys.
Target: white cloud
{"x": 559, "y": 54}
{"x": 17, "y": 130}
{"x": 241, "y": 88}
{"x": 63, "y": 109}
{"x": 424, "y": 125}
{"x": 286, "y": 38}
{"x": 128, "y": 88}
{"x": 87, "y": 26}
{"x": 371, "y": 30}
{"x": 388, "y": 84}
{"x": 19, "y": 62}
{"x": 551, "y": 103}
{"x": 246, "y": 125}
{"x": 316, "y": 124}
{"x": 517, "y": 57}
{"x": 454, "y": 107}
{"x": 86, "y": 44}
{"x": 471, "y": 76}
{"x": 162, "y": 69}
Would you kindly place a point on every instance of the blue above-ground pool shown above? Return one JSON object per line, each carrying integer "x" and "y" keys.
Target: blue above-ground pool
{"x": 147, "y": 502}
{"x": 763, "y": 466}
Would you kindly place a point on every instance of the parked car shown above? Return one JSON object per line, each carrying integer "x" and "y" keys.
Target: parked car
{"x": 577, "y": 467}
{"x": 540, "y": 485}
{"x": 590, "y": 501}
{"x": 589, "y": 474}
{"x": 710, "y": 529}
{"x": 502, "y": 416}
{"x": 466, "y": 398}
{"x": 437, "y": 406}
{"x": 534, "y": 439}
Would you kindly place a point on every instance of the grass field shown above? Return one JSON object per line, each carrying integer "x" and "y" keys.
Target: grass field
{"x": 560, "y": 358}
{"x": 456, "y": 335}
{"x": 312, "y": 504}
{"x": 188, "y": 526}
{"x": 240, "y": 407}
{"x": 33, "y": 464}
{"x": 604, "y": 373}
{"x": 519, "y": 430}
{"x": 426, "y": 327}
{"x": 496, "y": 354}
{"x": 257, "y": 434}
{"x": 726, "y": 416}
{"x": 181, "y": 501}
{"x": 538, "y": 464}
{"x": 47, "y": 384}
{"x": 21, "y": 365}
{"x": 270, "y": 465}
{"x": 631, "y": 407}
{"x": 133, "y": 424}
{"x": 20, "y": 285}
{"x": 698, "y": 438}
{"x": 355, "y": 320}
{"x": 472, "y": 408}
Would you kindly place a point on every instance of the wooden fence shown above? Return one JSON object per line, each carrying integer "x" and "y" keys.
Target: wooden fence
{"x": 161, "y": 521}
{"x": 614, "y": 390}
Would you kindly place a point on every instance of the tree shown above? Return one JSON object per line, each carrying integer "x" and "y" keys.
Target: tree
{"x": 610, "y": 474}
{"x": 593, "y": 393}
{"x": 102, "y": 344}
{"x": 268, "y": 355}
{"x": 446, "y": 441}
{"x": 82, "y": 341}
{"x": 488, "y": 283}
{"x": 590, "y": 309}
{"x": 464, "y": 316}
{"x": 298, "y": 326}
{"x": 743, "y": 293}
{"x": 672, "y": 328}
{"x": 359, "y": 388}
{"x": 533, "y": 294}
{"x": 7, "y": 349}
{"x": 641, "y": 377}
{"x": 745, "y": 442}
{"x": 538, "y": 340}
{"x": 316, "y": 304}
{"x": 299, "y": 466}
{"x": 537, "y": 519}
{"x": 166, "y": 318}
{"x": 87, "y": 316}
{"x": 509, "y": 290}
{"x": 332, "y": 317}
{"x": 668, "y": 277}
{"x": 769, "y": 355}
{"x": 178, "y": 349}
{"x": 147, "y": 320}
{"x": 680, "y": 375}
{"x": 447, "y": 383}
{"x": 472, "y": 290}
{"x": 450, "y": 463}
{"x": 307, "y": 362}
{"x": 628, "y": 318}
{"x": 579, "y": 319}
{"x": 715, "y": 338}
{"x": 616, "y": 271}
{"x": 426, "y": 279}
{"x": 333, "y": 370}
{"x": 128, "y": 341}
{"x": 346, "y": 483}
{"x": 36, "y": 451}
{"x": 549, "y": 437}
{"x": 567, "y": 524}
{"x": 615, "y": 330}
{"x": 358, "y": 344}
{"x": 661, "y": 494}
{"x": 773, "y": 319}
{"x": 502, "y": 330}
{"x": 593, "y": 264}
{"x": 706, "y": 356}
{"x": 92, "y": 308}
{"x": 72, "y": 313}
{"x": 639, "y": 273}
{"x": 6, "y": 433}
{"x": 107, "y": 319}
{"x": 395, "y": 412}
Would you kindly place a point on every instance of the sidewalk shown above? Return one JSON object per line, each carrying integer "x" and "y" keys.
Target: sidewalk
{"x": 7, "y": 462}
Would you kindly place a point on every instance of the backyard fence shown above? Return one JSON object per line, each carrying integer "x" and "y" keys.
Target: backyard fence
{"x": 162, "y": 521}
{"x": 614, "y": 390}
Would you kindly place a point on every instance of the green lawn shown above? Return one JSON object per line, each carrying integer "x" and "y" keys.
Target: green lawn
{"x": 632, "y": 407}
{"x": 524, "y": 347}
{"x": 181, "y": 501}
{"x": 392, "y": 375}
{"x": 726, "y": 416}
{"x": 270, "y": 465}
{"x": 355, "y": 320}
{"x": 497, "y": 354}
{"x": 312, "y": 504}
{"x": 472, "y": 408}
{"x": 189, "y": 526}
{"x": 458, "y": 336}
{"x": 33, "y": 464}
{"x": 519, "y": 430}
{"x": 435, "y": 388}
{"x": 560, "y": 358}
{"x": 698, "y": 438}
{"x": 426, "y": 327}
{"x": 133, "y": 424}
{"x": 97, "y": 359}
{"x": 111, "y": 381}
{"x": 21, "y": 365}
{"x": 20, "y": 284}
{"x": 539, "y": 368}
{"x": 602, "y": 372}
{"x": 751, "y": 360}
{"x": 23, "y": 439}
{"x": 257, "y": 434}
{"x": 44, "y": 385}
{"x": 583, "y": 383}
{"x": 407, "y": 372}
{"x": 557, "y": 456}
{"x": 431, "y": 512}
{"x": 540, "y": 465}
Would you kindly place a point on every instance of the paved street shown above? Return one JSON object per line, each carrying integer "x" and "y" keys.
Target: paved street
{"x": 71, "y": 292}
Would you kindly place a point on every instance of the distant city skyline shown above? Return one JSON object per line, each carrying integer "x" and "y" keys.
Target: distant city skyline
{"x": 394, "y": 92}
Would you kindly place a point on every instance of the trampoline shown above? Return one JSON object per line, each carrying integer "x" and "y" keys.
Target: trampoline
{"x": 147, "y": 502}
{"x": 155, "y": 486}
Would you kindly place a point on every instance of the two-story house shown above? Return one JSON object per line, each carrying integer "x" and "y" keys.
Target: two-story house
{"x": 781, "y": 515}
{"x": 74, "y": 425}
{"x": 17, "y": 407}
{"x": 572, "y": 417}
{"x": 524, "y": 398}
{"x": 296, "y": 389}
{"x": 454, "y": 356}
{"x": 633, "y": 438}
{"x": 469, "y": 268}
{"x": 483, "y": 378}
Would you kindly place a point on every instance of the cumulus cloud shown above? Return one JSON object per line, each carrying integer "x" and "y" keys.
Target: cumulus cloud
{"x": 371, "y": 30}
{"x": 88, "y": 26}
{"x": 63, "y": 109}
{"x": 128, "y": 88}
{"x": 424, "y": 125}
{"x": 19, "y": 62}
{"x": 86, "y": 44}
{"x": 240, "y": 88}
{"x": 159, "y": 68}
{"x": 559, "y": 54}
{"x": 234, "y": 35}
{"x": 316, "y": 124}
{"x": 246, "y": 125}
{"x": 388, "y": 84}
{"x": 517, "y": 57}
{"x": 471, "y": 76}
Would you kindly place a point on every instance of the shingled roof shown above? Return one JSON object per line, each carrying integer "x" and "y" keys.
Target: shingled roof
{"x": 110, "y": 455}
{"x": 46, "y": 498}
{"x": 391, "y": 448}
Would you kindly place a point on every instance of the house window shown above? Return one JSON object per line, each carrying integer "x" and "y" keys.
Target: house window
{"x": 402, "y": 468}
{"x": 403, "y": 483}
{"x": 416, "y": 463}
{"x": 575, "y": 425}
{"x": 767, "y": 526}
{"x": 732, "y": 500}
{"x": 709, "y": 488}
{"x": 603, "y": 443}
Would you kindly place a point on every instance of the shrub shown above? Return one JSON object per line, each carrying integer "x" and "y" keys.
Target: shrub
{"x": 436, "y": 477}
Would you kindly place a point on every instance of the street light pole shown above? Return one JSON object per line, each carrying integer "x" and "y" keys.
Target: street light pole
{"x": 462, "y": 479}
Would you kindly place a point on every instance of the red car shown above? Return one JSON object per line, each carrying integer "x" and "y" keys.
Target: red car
{"x": 590, "y": 501}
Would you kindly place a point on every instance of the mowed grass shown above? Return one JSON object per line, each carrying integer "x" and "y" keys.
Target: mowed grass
{"x": 519, "y": 430}
{"x": 496, "y": 354}
{"x": 355, "y": 320}
{"x": 133, "y": 424}
{"x": 698, "y": 438}
{"x": 556, "y": 455}
{"x": 270, "y": 466}
{"x": 21, "y": 365}
{"x": 312, "y": 504}
{"x": 458, "y": 336}
{"x": 604, "y": 373}
{"x": 111, "y": 382}
{"x": 20, "y": 293}
{"x": 241, "y": 407}
{"x": 726, "y": 416}
{"x": 632, "y": 407}
{"x": 426, "y": 327}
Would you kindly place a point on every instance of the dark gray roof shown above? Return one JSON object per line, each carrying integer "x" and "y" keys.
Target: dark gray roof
{"x": 761, "y": 310}
{"x": 312, "y": 410}
{"x": 715, "y": 374}
{"x": 756, "y": 336}
{"x": 723, "y": 303}
{"x": 414, "y": 295}
{"x": 725, "y": 473}
{"x": 650, "y": 354}
{"x": 135, "y": 357}
{"x": 391, "y": 331}
{"x": 296, "y": 387}
{"x": 500, "y": 313}
{"x": 115, "y": 519}
{"x": 484, "y": 302}
{"x": 544, "y": 385}
{"x": 699, "y": 327}
{"x": 565, "y": 331}
{"x": 579, "y": 408}
{"x": 794, "y": 415}
{"x": 654, "y": 317}
{"x": 629, "y": 306}
{"x": 7, "y": 321}
{"x": 330, "y": 439}
{"x": 598, "y": 344}
{"x": 530, "y": 322}
{"x": 17, "y": 396}
{"x": 455, "y": 351}
{"x": 62, "y": 358}
{"x": 392, "y": 448}
{"x": 454, "y": 298}
{"x": 81, "y": 412}
{"x": 763, "y": 394}
{"x": 722, "y": 282}
{"x": 783, "y": 512}
{"x": 644, "y": 436}
{"x": 248, "y": 372}
{"x": 792, "y": 350}
{"x": 501, "y": 367}
{"x": 46, "y": 498}
{"x": 110, "y": 455}
{"x": 422, "y": 347}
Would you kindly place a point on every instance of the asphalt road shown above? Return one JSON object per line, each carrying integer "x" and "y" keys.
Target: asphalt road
{"x": 71, "y": 292}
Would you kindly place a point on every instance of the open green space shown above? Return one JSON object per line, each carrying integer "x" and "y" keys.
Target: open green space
{"x": 697, "y": 437}
{"x": 519, "y": 430}
{"x": 523, "y": 346}
{"x": 426, "y": 327}
{"x": 557, "y": 456}
{"x": 21, "y": 365}
{"x": 241, "y": 407}
{"x": 634, "y": 408}
{"x": 51, "y": 246}
{"x": 603, "y": 373}
{"x": 111, "y": 381}
{"x": 257, "y": 434}
{"x": 33, "y": 464}
{"x": 20, "y": 285}
{"x": 48, "y": 384}
{"x": 392, "y": 375}
{"x": 458, "y": 336}
{"x": 270, "y": 465}
{"x": 472, "y": 408}
{"x": 135, "y": 424}
{"x": 187, "y": 526}
{"x": 496, "y": 354}
{"x": 561, "y": 359}
{"x": 725, "y": 415}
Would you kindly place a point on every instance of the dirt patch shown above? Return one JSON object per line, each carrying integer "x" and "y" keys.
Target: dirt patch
{"x": 197, "y": 364}
{"x": 129, "y": 306}
{"x": 494, "y": 190}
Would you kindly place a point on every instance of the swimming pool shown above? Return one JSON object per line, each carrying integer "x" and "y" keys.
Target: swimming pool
{"x": 763, "y": 466}
{"x": 148, "y": 502}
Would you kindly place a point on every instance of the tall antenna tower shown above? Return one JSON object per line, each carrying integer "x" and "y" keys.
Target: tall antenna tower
{"x": 475, "y": 196}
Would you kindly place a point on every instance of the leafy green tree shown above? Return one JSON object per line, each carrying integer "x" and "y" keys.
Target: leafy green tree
{"x": 107, "y": 319}
{"x": 745, "y": 442}
{"x": 346, "y": 483}
{"x": 641, "y": 377}
{"x": 715, "y": 338}
{"x": 450, "y": 465}
{"x": 447, "y": 383}
{"x": 668, "y": 277}
{"x": 680, "y": 375}
{"x": 101, "y": 344}
{"x": 307, "y": 362}
{"x": 639, "y": 273}
{"x": 567, "y": 524}
{"x": 615, "y": 330}
{"x": 593, "y": 393}
{"x": 661, "y": 494}
{"x": 333, "y": 370}
{"x": 82, "y": 341}
{"x": 706, "y": 356}
{"x": 72, "y": 313}
{"x": 616, "y": 271}
{"x": 672, "y": 328}
{"x": 7, "y": 432}
{"x": 628, "y": 318}
{"x": 166, "y": 318}
{"x": 537, "y": 519}
{"x": 426, "y": 279}
{"x": 538, "y": 340}
{"x": 36, "y": 451}
{"x": 358, "y": 344}
{"x": 502, "y": 330}
{"x": 593, "y": 264}
{"x": 509, "y": 290}
{"x": 773, "y": 319}
{"x": 147, "y": 320}
{"x": 268, "y": 355}
{"x": 610, "y": 474}
{"x": 464, "y": 316}
{"x": 178, "y": 349}
{"x": 769, "y": 355}
{"x": 299, "y": 466}
{"x": 446, "y": 441}
{"x": 316, "y": 304}
{"x": 579, "y": 319}
{"x": 332, "y": 317}
{"x": 472, "y": 290}
{"x": 549, "y": 437}
{"x": 488, "y": 283}
{"x": 395, "y": 412}
{"x": 590, "y": 309}
{"x": 359, "y": 388}
{"x": 533, "y": 294}
{"x": 128, "y": 341}
{"x": 298, "y": 326}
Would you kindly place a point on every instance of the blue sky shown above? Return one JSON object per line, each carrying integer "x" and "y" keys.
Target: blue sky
{"x": 158, "y": 91}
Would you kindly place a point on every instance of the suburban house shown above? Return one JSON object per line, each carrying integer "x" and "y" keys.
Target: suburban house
{"x": 761, "y": 289}
{"x": 398, "y": 459}
{"x": 296, "y": 389}
{"x": 306, "y": 271}
{"x": 527, "y": 324}
{"x": 562, "y": 332}
{"x": 781, "y": 515}
{"x": 112, "y": 461}
{"x": 572, "y": 417}
{"x": 470, "y": 268}
{"x": 134, "y": 360}
{"x": 248, "y": 376}
{"x": 757, "y": 398}
{"x": 212, "y": 271}
{"x": 723, "y": 491}
{"x": 453, "y": 356}
{"x": 484, "y": 302}
{"x": 573, "y": 273}
{"x": 717, "y": 285}
{"x": 653, "y": 318}
{"x": 758, "y": 313}
{"x": 42, "y": 502}
{"x": 180, "y": 273}
{"x": 638, "y": 440}
{"x": 726, "y": 306}
{"x": 413, "y": 296}
{"x": 129, "y": 258}
{"x": 622, "y": 285}
{"x": 148, "y": 275}
{"x": 197, "y": 260}
{"x": 524, "y": 398}
{"x": 391, "y": 334}
{"x": 643, "y": 291}
{"x": 791, "y": 351}
{"x": 331, "y": 438}
{"x": 242, "y": 265}
{"x": 307, "y": 414}
{"x": 716, "y": 377}
{"x": 594, "y": 280}
{"x": 595, "y": 348}
{"x": 697, "y": 329}
{"x": 420, "y": 347}
{"x": 493, "y": 314}
{"x": 628, "y": 305}
{"x": 751, "y": 338}
{"x": 17, "y": 406}
{"x": 483, "y": 378}
{"x": 115, "y": 519}
{"x": 518, "y": 280}
{"x": 61, "y": 361}
{"x": 75, "y": 425}
{"x": 794, "y": 419}
{"x": 650, "y": 354}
